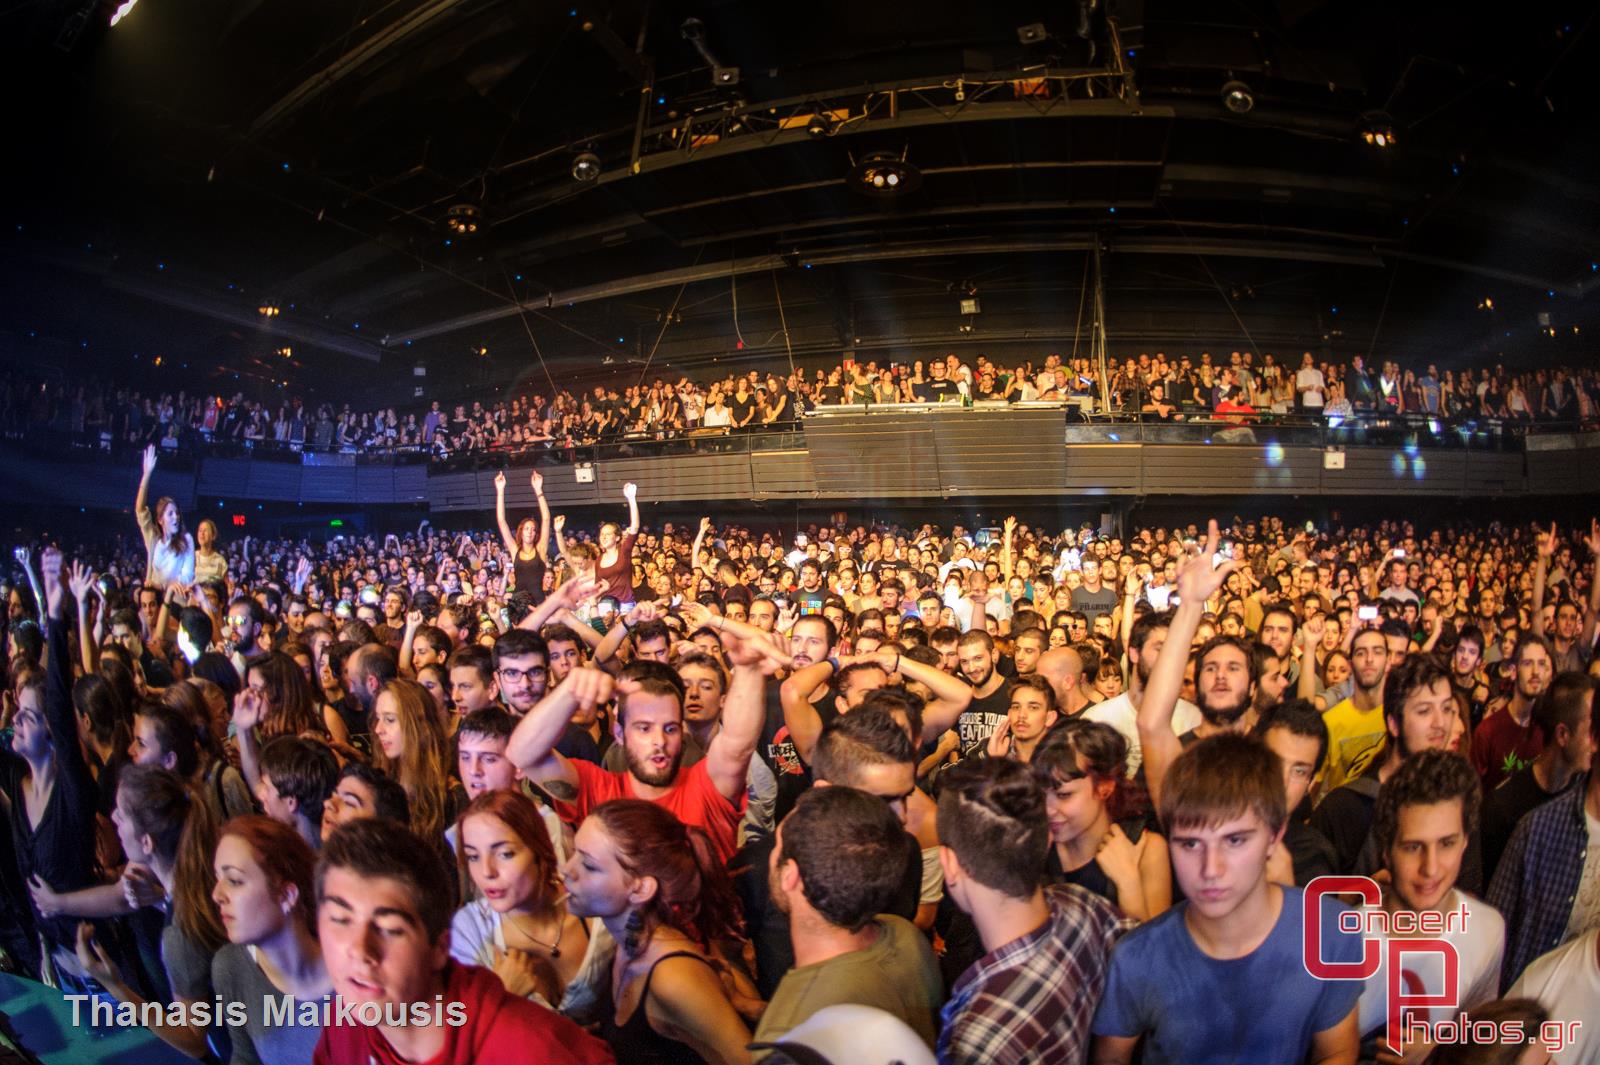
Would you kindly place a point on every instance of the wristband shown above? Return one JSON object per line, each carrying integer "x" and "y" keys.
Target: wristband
{"x": 625, "y": 626}
{"x": 896, "y": 668}
{"x": 834, "y": 662}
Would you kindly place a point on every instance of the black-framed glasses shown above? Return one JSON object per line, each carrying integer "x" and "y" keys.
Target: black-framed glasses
{"x": 516, "y": 676}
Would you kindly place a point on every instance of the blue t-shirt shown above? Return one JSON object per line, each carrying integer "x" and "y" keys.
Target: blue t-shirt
{"x": 1263, "y": 1007}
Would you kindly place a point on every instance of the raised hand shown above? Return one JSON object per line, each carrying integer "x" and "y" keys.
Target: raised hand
{"x": 50, "y": 575}
{"x": 80, "y": 582}
{"x": 696, "y": 615}
{"x": 768, "y": 652}
{"x": 560, "y": 522}
{"x": 1133, "y": 585}
{"x": 590, "y": 687}
{"x": 1198, "y": 578}
{"x": 536, "y": 479}
{"x": 23, "y": 554}
{"x": 1010, "y": 524}
{"x": 413, "y": 619}
{"x": 149, "y": 460}
{"x": 578, "y": 589}
{"x": 249, "y": 708}
{"x": 705, "y": 526}
{"x": 630, "y": 491}
{"x": 500, "y": 481}
{"x": 999, "y": 744}
{"x": 1594, "y": 536}
{"x": 1547, "y": 544}
{"x": 1312, "y": 631}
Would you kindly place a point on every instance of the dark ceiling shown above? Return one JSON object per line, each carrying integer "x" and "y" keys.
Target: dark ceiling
{"x": 172, "y": 173}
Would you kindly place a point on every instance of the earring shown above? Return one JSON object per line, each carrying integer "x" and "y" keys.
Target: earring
{"x": 632, "y": 933}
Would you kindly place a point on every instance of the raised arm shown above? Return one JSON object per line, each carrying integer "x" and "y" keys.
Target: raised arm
{"x": 141, "y": 504}
{"x": 951, "y": 694}
{"x": 500, "y": 512}
{"x": 1198, "y": 580}
{"x": 755, "y": 656}
{"x": 799, "y": 716}
{"x": 1592, "y": 613}
{"x": 413, "y": 623}
{"x": 1006, "y": 560}
{"x": 536, "y": 479}
{"x": 564, "y": 598}
{"x": 1310, "y": 635}
{"x": 611, "y": 642}
{"x": 558, "y": 525}
{"x": 81, "y": 583}
{"x": 532, "y": 747}
{"x": 631, "y": 491}
{"x": 1546, "y": 547}
{"x": 699, "y": 538}
{"x": 249, "y": 707}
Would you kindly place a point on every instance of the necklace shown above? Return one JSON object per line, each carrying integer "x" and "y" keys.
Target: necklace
{"x": 554, "y": 948}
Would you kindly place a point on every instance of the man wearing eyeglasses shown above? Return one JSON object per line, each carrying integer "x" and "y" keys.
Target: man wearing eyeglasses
{"x": 522, "y": 668}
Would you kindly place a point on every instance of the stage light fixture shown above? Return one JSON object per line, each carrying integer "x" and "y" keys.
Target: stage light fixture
{"x": 586, "y": 167}
{"x": 725, "y": 76}
{"x": 1237, "y": 97}
{"x": 885, "y": 174}
{"x": 463, "y": 219}
{"x": 268, "y": 310}
{"x": 122, "y": 11}
{"x": 1032, "y": 33}
{"x": 1377, "y": 130}
{"x": 819, "y": 125}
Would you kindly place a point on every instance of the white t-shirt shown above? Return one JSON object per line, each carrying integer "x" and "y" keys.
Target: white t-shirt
{"x": 1566, "y": 982}
{"x": 1120, "y": 715}
{"x": 1479, "y": 946}
{"x": 1586, "y": 907}
{"x": 1310, "y": 381}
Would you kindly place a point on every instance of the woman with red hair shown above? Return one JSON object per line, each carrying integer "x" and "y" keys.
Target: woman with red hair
{"x": 659, "y": 890}
{"x": 266, "y": 897}
{"x": 519, "y": 924}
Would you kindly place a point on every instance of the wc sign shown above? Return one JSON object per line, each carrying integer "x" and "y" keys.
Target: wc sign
{"x": 1393, "y": 942}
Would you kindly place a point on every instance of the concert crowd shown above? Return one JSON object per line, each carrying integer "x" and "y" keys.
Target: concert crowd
{"x": 848, "y": 793}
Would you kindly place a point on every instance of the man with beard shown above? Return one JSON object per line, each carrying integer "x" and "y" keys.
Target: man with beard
{"x": 366, "y": 672}
{"x": 1355, "y": 725}
{"x": 1506, "y": 740}
{"x": 1145, "y": 640}
{"x": 990, "y": 703}
{"x": 1466, "y": 671}
{"x": 1419, "y": 714}
{"x": 650, "y": 728}
{"x": 1225, "y": 681}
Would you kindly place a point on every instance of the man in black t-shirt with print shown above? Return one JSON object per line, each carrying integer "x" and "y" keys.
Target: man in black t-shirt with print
{"x": 978, "y": 659}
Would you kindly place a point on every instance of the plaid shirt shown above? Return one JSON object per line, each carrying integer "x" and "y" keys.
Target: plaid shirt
{"x": 1032, "y": 999}
{"x": 1537, "y": 880}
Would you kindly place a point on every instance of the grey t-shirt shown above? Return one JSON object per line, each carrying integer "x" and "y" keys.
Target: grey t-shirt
{"x": 188, "y": 967}
{"x": 237, "y": 978}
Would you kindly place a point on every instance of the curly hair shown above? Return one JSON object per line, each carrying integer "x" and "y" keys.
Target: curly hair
{"x": 1425, "y": 778}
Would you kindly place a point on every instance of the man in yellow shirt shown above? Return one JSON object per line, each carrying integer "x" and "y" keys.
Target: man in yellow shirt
{"x": 1355, "y": 726}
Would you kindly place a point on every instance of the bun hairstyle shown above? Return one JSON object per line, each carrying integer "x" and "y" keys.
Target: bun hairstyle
{"x": 992, "y": 815}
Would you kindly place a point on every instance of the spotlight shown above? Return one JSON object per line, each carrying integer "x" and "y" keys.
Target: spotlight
{"x": 268, "y": 310}
{"x": 1032, "y": 33}
{"x": 885, "y": 173}
{"x": 1237, "y": 97}
{"x": 586, "y": 167}
{"x": 285, "y": 352}
{"x": 463, "y": 219}
{"x": 725, "y": 76}
{"x": 1377, "y": 130}
{"x": 122, "y": 11}
{"x": 819, "y": 125}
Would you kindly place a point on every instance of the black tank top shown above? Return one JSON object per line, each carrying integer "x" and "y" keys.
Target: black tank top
{"x": 530, "y": 575}
{"x": 635, "y": 1042}
{"x": 1091, "y": 877}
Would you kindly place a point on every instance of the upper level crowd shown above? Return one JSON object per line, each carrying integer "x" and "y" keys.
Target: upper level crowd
{"x": 886, "y": 793}
{"x": 1239, "y": 387}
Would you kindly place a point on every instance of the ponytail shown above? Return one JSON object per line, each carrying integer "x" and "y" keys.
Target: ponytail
{"x": 183, "y": 830}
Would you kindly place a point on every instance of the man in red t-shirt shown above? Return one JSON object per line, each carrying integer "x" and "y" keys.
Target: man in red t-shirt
{"x": 649, "y": 727}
